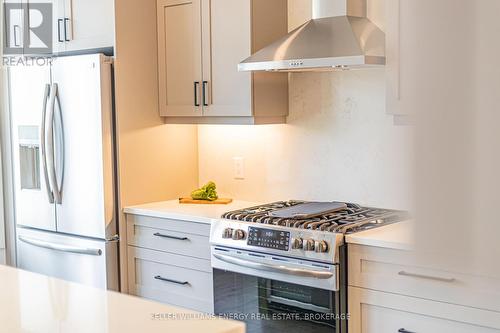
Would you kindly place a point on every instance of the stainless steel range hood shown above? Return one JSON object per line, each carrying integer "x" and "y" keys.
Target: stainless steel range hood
{"x": 338, "y": 37}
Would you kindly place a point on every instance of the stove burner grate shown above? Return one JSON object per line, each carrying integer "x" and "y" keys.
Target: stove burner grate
{"x": 351, "y": 219}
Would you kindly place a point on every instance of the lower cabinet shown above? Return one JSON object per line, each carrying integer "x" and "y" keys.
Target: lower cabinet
{"x": 171, "y": 279}
{"x": 169, "y": 262}
{"x": 376, "y": 312}
{"x": 391, "y": 292}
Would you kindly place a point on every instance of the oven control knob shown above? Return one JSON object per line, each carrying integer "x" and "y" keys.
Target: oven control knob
{"x": 309, "y": 244}
{"x": 227, "y": 233}
{"x": 238, "y": 234}
{"x": 297, "y": 243}
{"x": 321, "y": 246}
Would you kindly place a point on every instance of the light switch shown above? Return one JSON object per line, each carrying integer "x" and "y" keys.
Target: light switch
{"x": 239, "y": 168}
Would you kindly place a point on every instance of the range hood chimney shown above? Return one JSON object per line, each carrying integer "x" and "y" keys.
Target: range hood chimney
{"x": 338, "y": 37}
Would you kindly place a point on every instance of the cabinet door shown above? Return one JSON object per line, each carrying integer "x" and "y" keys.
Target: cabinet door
{"x": 88, "y": 24}
{"x": 58, "y": 38}
{"x": 179, "y": 57}
{"x": 14, "y": 24}
{"x": 58, "y": 15}
{"x": 401, "y": 46}
{"x": 226, "y": 41}
{"x": 374, "y": 312}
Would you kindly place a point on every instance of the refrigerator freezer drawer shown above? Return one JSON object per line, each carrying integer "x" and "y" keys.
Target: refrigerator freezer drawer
{"x": 87, "y": 261}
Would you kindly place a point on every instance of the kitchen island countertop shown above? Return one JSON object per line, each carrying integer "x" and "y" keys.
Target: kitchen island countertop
{"x": 36, "y": 303}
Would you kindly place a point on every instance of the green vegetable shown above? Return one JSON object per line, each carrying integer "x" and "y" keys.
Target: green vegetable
{"x": 207, "y": 192}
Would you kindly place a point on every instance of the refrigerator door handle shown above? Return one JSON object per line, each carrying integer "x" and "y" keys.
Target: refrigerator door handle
{"x": 60, "y": 247}
{"x": 49, "y": 143}
{"x": 42, "y": 144}
{"x": 59, "y": 135}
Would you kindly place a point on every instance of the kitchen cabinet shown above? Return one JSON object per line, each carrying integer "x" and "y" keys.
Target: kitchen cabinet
{"x": 76, "y": 24}
{"x": 14, "y": 23}
{"x": 169, "y": 261}
{"x": 400, "y": 57}
{"x": 373, "y": 312}
{"x": 389, "y": 291}
{"x": 200, "y": 44}
{"x": 82, "y": 24}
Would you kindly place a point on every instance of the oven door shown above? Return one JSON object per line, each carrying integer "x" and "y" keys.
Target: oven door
{"x": 272, "y": 295}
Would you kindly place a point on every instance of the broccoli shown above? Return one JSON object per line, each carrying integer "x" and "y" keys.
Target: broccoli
{"x": 207, "y": 192}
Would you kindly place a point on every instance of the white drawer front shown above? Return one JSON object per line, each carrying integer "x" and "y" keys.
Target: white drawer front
{"x": 170, "y": 279}
{"x": 189, "y": 227}
{"x": 169, "y": 239}
{"x": 377, "y": 312}
{"x": 395, "y": 271}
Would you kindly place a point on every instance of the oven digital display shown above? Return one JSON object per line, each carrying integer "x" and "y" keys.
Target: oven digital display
{"x": 273, "y": 239}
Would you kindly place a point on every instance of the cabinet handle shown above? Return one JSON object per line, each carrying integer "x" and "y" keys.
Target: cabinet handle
{"x": 196, "y": 84}
{"x": 428, "y": 277}
{"x": 204, "y": 91}
{"x": 157, "y": 234}
{"x": 16, "y": 29}
{"x": 59, "y": 38}
{"x": 402, "y": 330}
{"x": 159, "y": 277}
{"x": 66, "y": 28}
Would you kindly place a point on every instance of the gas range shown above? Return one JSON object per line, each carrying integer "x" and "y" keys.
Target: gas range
{"x": 313, "y": 238}
{"x": 288, "y": 258}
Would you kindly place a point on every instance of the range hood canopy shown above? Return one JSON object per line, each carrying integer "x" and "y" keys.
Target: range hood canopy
{"x": 338, "y": 37}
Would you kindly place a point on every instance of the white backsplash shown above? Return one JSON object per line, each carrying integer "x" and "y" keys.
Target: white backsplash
{"x": 338, "y": 144}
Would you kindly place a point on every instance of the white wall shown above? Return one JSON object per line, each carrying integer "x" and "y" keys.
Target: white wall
{"x": 338, "y": 143}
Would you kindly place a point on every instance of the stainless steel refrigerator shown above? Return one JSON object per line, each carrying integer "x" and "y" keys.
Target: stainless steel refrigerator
{"x": 64, "y": 169}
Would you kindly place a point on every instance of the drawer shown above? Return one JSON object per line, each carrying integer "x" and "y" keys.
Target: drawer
{"x": 189, "y": 227}
{"x": 171, "y": 279}
{"x": 375, "y": 312}
{"x": 172, "y": 236}
{"x": 397, "y": 271}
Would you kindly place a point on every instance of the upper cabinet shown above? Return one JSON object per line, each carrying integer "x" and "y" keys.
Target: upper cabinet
{"x": 400, "y": 57}
{"x": 76, "y": 24}
{"x": 82, "y": 24}
{"x": 200, "y": 43}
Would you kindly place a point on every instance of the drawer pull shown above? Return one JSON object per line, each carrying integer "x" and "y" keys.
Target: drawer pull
{"x": 402, "y": 330}
{"x": 169, "y": 236}
{"x": 428, "y": 277}
{"x": 159, "y": 277}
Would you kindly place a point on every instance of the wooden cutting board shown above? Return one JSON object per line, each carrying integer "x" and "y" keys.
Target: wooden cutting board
{"x": 220, "y": 201}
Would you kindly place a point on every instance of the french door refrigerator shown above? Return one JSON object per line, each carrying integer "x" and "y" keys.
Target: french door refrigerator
{"x": 64, "y": 169}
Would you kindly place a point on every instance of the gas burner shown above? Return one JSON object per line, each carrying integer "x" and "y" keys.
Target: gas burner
{"x": 351, "y": 219}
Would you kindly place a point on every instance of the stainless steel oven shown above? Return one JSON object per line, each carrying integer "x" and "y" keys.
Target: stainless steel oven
{"x": 280, "y": 267}
{"x": 271, "y": 293}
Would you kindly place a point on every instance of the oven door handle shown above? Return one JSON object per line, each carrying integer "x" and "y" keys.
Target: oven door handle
{"x": 273, "y": 268}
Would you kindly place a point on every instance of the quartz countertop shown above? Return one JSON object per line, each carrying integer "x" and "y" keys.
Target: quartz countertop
{"x": 32, "y": 302}
{"x": 396, "y": 236}
{"x": 172, "y": 209}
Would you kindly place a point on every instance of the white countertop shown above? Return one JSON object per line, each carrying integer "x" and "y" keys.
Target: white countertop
{"x": 172, "y": 209}
{"x": 36, "y": 303}
{"x": 396, "y": 236}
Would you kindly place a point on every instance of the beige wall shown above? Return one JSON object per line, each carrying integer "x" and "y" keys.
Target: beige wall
{"x": 338, "y": 143}
{"x": 156, "y": 161}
